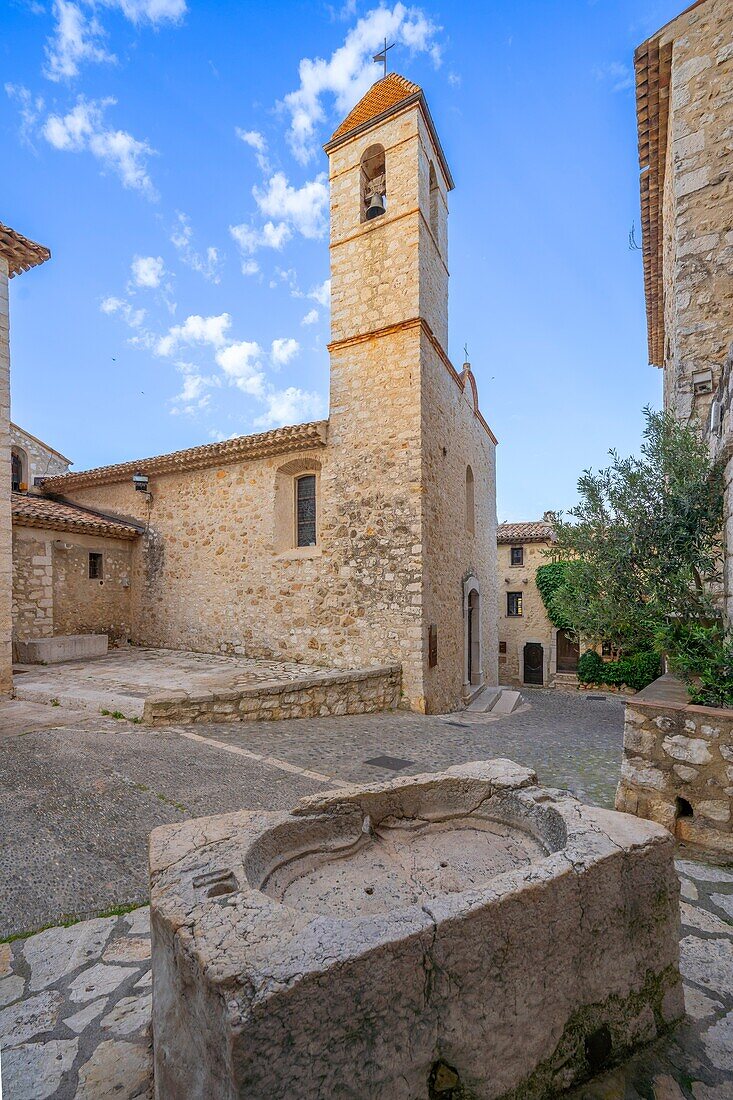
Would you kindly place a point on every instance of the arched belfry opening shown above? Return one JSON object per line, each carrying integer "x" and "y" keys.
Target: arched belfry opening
{"x": 373, "y": 183}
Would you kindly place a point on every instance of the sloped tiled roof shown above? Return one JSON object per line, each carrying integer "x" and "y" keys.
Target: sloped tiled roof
{"x": 299, "y": 437}
{"x": 534, "y": 531}
{"x": 387, "y": 93}
{"x": 35, "y": 511}
{"x": 20, "y": 252}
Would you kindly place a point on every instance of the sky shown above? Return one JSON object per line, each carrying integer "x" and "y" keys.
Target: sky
{"x": 169, "y": 154}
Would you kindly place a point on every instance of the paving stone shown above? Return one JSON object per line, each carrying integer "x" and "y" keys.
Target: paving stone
{"x": 116, "y": 1071}
{"x": 34, "y": 1071}
{"x": 666, "y": 1088}
{"x": 688, "y": 890}
{"x": 724, "y": 902}
{"x": 82, "y": 1019}
{"x": 97, "y": 981}
{"x": 59, "y": 951}
{"x": 6, "y": 960}
{"x": 718, "y": 1043}
{"x": 699, "y": 1006}
{"x": 708, "y": 963}
{"x": 10, "y": 990}
{"x": 127, "y": 949}
{"x": 145, "y": 982}
{"x": 701, "y": 1091}
{"x": 129, "y": 1015}
{"x": 694, "y": 917}
{"x": 138, "y": 921}
{"x": 703, "y": 872}
{"x": 26, "y": 1019}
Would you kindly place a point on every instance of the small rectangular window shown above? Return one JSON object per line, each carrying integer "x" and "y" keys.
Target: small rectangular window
{"x": 502, "y": 649}
{"x": 96, "y": 566}
{"x": 517, "y": 555}
{"x": 305, "y": 510}
{"x": 514, "y": 603}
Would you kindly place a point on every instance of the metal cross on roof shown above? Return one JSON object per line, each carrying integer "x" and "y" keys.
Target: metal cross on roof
{"x": 382, "y": 55}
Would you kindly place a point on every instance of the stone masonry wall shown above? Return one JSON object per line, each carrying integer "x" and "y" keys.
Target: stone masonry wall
{"x": 6, "y": 550}
{"x": 533, "y": 625}
{"x": 363, "y": 691}
{"x": 698, "y": 203}
{"x": 38, "y": 459}
{"x": 673, "y": 752}
{"x": 53, "y": 593}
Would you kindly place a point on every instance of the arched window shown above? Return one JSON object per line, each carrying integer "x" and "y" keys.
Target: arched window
{"x": 470, "y": 501}
{"x": 434, "y": 200}
{"x": 17, "y": 470}
{"x": 373, "y": 196}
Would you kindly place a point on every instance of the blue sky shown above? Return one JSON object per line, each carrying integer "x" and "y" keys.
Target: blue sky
{"x": 169, "y": 154}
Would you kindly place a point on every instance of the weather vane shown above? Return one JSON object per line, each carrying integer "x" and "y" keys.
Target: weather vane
{"x": 382, "y": 55}
{"x": 465, "y": 353}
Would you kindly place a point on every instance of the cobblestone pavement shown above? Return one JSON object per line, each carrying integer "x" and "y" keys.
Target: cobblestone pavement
{"x": 123, "y": 679}
{"x": 77, "y": 802}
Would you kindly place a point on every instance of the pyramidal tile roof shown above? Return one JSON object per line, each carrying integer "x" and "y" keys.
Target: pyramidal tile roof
{"x": 387, "y": 93}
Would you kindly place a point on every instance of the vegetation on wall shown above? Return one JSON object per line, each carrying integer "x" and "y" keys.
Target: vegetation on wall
{"x": 634, "y": 672}
{"x": 550, "y": 579}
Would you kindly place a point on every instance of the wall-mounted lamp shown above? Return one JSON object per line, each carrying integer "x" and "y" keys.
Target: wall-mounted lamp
{"x": 140, "y": 481}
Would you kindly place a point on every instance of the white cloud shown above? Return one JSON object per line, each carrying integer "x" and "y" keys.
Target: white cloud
{"x": 207, "y": 264}
{"x": 270, "y": 235}
{"x": 321, "y": 293}
{"x": 283, "y": 350}
{"x": 301, "y": 207}
{"x": 310, "y": 318}
{"x": 350, "y": 71}
{"x": 241, "y": 365}
{"x": 77, "y": 37}
{"x": 619, "y": 75}
{"x": 290, "y": 406}
{"x": 83, "y": 129}
{"x": 31, "y": 110}
{"x": 256, "y": 141}
{"x": 250, "y": 267}
{"x": 120, "y": 306}
{"x": 147, "y": 271}
{"x": 194, "y": 395}
{"x": 195, "y": 330}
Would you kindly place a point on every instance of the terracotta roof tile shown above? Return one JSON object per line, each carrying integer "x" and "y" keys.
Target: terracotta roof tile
{"x": 298, "y": 437}
{"x": 532, "y": 531}
{"x": 21, "y": 253}
{"x": 387, "y": 93}
{"x": 58, "y": 515}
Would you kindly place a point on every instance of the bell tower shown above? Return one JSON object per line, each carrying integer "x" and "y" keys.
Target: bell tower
{"x": 394, "y": 396}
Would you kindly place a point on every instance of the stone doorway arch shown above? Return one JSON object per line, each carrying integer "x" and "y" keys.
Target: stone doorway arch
{"x": 472, "y": 649}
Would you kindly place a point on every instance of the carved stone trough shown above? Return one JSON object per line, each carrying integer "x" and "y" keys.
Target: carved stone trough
{"x": 448, "y": 937}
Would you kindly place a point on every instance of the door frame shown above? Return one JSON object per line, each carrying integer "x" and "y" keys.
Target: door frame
{"x": 472, "y": 634}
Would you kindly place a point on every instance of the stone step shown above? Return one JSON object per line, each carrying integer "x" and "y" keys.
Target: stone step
{"x": 80, "y": 698}
{"x": 484, "y": 701}
{"x": 507, "y": 702}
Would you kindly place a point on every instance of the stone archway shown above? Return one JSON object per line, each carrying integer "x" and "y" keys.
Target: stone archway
{"x": 472, "y": 649}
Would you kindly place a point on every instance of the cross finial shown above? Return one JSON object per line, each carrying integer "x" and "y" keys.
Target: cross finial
{"x": 465, "y": 353}
{"x": 382, "y": 55}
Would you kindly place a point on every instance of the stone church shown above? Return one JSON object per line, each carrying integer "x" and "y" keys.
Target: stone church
{"x": 369, "y": 538}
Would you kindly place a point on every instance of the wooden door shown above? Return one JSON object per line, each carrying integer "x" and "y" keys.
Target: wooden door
{"x": 567, "y": 652}
{"x": 534, "y": 661}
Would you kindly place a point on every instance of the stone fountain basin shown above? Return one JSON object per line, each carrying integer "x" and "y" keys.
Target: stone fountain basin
{"x": 461, "y": 935}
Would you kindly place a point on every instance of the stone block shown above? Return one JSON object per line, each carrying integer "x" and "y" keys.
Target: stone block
{"x": 467, "y": 930}
{"x": 69, "y": 647}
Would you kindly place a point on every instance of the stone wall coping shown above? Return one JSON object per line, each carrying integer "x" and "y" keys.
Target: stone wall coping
{"x": 329, "y": 677}
{"x": 662, "y": 694}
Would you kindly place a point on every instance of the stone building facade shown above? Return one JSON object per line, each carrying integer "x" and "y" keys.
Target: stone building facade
{"x": 394, "y": 494}
{"x": 32, "y": 460}
{"x": 532, "y": 651}
{"x": 17, "y": 254}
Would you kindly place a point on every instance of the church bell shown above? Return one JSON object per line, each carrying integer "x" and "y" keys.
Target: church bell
{"x": 375, "y": 207}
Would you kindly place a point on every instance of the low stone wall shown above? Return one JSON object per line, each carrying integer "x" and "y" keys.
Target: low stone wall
{"x": 678, "y": 765}
{"x": 361, "y": 691}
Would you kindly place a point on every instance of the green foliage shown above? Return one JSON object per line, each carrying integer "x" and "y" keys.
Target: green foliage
{"x": 550, "y": 579}
{"x": 642, "y": 547}
{"x": 701, "y": 654}
{"x": 634, "y": 672}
